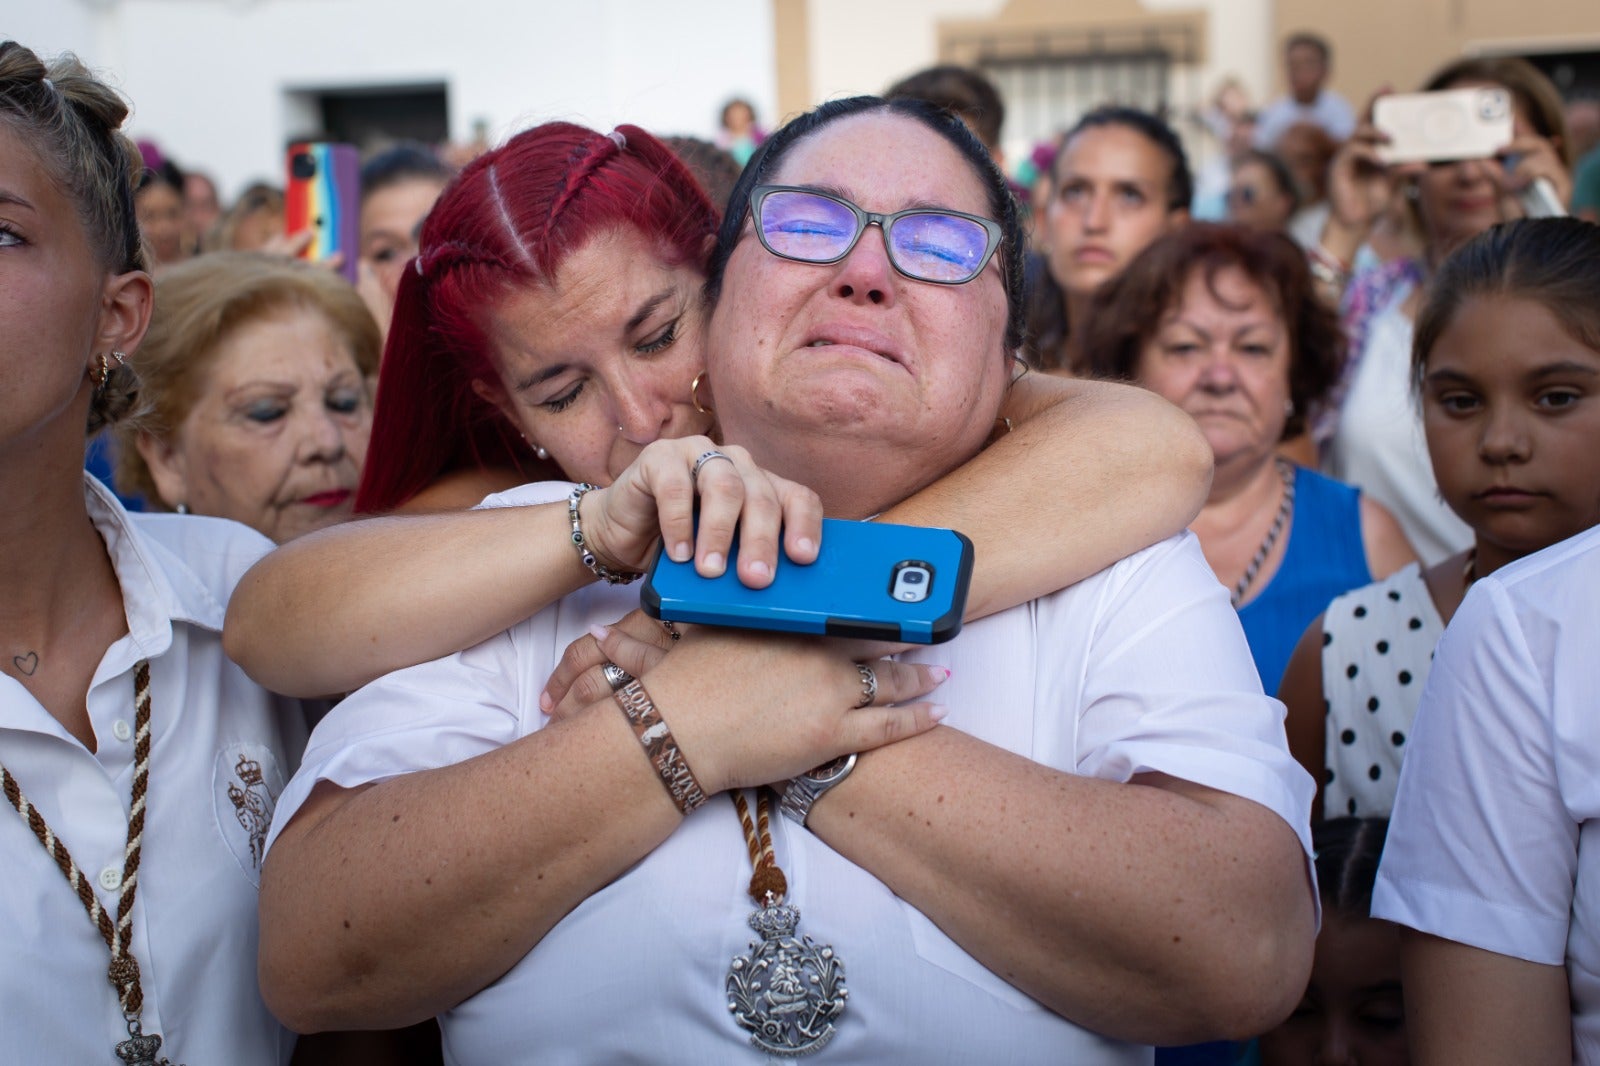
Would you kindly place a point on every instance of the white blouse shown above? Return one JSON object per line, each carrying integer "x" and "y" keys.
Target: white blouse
{"x": 1140, "y": 668}
{"x": 1379, "y": 446}
{"x": 222, "y": 749}
{"x": 1495, "y": 838}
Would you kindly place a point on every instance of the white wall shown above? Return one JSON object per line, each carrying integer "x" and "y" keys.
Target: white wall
{"x": 211, "y": 80}
{"x": 861, "y": 47}
{"x": 857, "y": 47}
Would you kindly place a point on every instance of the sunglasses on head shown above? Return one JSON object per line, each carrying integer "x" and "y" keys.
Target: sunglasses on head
{"x": 931, "y": 244}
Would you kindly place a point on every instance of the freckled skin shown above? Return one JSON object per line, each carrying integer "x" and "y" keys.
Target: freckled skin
{"x": 921, "y": 381}
{"x": 605, "y": 375}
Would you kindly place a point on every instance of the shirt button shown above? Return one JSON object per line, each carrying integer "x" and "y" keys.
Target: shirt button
{"x": 121, "y": 730}
{"x": 111, "y": 879}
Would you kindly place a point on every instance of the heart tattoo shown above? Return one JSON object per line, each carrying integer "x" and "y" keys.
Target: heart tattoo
{"x": 26, "y": 663}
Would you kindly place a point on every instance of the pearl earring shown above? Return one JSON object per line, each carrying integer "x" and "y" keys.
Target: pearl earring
{"x": 538, "y": 449}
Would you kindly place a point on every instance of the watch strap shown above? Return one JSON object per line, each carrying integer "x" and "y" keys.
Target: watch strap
{"x": 805, "y": 789}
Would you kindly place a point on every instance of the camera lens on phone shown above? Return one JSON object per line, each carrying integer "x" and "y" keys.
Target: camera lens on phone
{"x": 913, "y": 577}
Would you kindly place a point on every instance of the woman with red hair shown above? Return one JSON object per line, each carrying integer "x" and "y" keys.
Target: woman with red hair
{"x": 521, "y": 351}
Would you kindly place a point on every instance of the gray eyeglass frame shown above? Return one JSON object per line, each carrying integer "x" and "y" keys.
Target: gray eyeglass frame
{"x": 758, "y": 197}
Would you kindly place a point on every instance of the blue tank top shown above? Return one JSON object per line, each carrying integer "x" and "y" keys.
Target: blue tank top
{"x": 1323, "y": 559}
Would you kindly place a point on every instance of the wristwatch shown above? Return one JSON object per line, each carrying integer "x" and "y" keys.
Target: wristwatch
{"x": 807, "y": 788}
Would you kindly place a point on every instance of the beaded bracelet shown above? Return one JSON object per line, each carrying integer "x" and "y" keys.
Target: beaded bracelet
{"x": 653, "y": 734}
{"x": 599, "y": 569}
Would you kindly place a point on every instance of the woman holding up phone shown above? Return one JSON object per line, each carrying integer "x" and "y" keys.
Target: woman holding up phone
{"x": 1369, "y": 433}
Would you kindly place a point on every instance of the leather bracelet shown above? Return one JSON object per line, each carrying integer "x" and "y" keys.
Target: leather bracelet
{"x": 596, "y": 567}
{"x": 671, "y": 767}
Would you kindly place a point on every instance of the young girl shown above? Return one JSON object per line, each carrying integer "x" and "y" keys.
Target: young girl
{"x": 1352, "y": 1011}
{"x": 1507, "y": 367}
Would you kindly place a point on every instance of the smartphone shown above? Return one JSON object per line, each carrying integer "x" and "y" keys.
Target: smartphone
{"x": 1442, "y": 127}
{"x": 906, "y": 584}
{"x": 324, "y": 195}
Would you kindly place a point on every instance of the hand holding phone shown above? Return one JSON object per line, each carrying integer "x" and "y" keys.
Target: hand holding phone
{"x": 875, "y": 580}
{"x": 1443, "y": 127}
{"x": 323, "y": 196}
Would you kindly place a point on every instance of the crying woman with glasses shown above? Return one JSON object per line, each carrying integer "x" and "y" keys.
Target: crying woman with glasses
{"x": 1069, "y": 833}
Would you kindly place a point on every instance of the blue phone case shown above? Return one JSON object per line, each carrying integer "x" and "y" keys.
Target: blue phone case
{"x": 850, "y": 591}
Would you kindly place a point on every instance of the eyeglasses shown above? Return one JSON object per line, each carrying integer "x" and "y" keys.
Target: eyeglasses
{"x": 925, "y": 243}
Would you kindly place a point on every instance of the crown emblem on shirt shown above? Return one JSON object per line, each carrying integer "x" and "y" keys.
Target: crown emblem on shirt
{"x": 248, "y": 770}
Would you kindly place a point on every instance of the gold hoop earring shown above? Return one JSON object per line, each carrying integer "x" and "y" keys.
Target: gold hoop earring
{"x": 694, "y": 394}
{"x": 101, "y": 373}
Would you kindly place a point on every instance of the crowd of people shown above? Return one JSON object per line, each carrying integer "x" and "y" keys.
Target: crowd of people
{"x": 340, "y": 715}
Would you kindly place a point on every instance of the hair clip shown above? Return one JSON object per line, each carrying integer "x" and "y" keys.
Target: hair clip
{"x": 417, "y": 262}
{"x": 619, "y": 140}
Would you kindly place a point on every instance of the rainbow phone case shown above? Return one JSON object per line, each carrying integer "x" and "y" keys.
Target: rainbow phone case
{"x": 324, "y": 196}
{"x": 854, "y": 588}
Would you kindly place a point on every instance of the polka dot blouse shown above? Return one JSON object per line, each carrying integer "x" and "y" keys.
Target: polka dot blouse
{"x": 1377, "y": 645}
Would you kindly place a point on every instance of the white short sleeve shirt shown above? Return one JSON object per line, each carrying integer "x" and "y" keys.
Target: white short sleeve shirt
{"x": 1495, "y": 838}
{"x": 221, "y": 751}
{"x": 1329, "y": 110}
{"x": 1141, "y": 668}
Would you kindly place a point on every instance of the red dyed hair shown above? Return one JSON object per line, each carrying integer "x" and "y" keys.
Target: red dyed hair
{"x": 510, "y": 219}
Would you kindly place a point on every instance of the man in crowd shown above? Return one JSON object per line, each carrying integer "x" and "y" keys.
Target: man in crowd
{"x": 1307, "y": 60}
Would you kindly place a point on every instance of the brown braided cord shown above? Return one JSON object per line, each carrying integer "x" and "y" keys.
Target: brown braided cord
{"x": 767, "y": 878}
{"x": 124, "y": 969}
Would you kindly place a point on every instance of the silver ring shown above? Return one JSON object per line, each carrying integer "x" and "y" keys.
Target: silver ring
{"x": 869, "y": 685}
{"x": 615, "y": 675}
{"x": 706, "y": 457}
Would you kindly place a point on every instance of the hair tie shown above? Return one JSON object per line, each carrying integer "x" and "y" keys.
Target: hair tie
{"x": 619, "y": 140}
{"x": 48, "y": 84}
{"x": 417, "y": 262}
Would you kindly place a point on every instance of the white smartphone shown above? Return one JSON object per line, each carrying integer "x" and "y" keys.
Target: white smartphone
{"x": 1443, "y": 127}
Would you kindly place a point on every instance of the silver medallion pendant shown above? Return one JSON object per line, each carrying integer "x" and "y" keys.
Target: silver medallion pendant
{"x": 788, "y": 990}
{"x": 141, "y": 1049}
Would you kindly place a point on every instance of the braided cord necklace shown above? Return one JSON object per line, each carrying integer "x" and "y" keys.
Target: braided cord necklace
{"x": 788, "y": 990}
{"x": 1285, "y": 510}
{"x": 140, "y": 1049}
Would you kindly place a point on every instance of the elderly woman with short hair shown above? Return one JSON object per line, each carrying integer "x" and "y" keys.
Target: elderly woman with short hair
{"x": 256, "y": 380}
